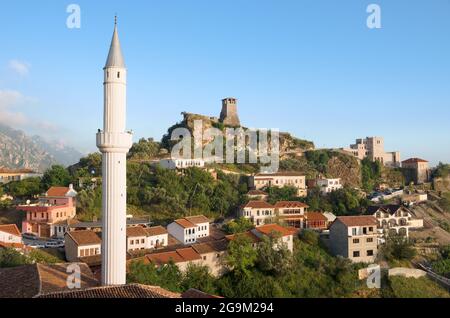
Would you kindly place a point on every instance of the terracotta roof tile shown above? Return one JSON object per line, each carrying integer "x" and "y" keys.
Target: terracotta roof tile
{"x": 33, "y": 280}
{"x": 57, "y": 191}
{"x": 125, "y": 291}
{"x": 156, "y": 230}
{"x": 414, "y": 160}
{"x": 10, "y": 229}
{"x": 315, "y": 216}
{"x": 357, "y": 220}
{"x": 86, "y": 237}
{"x": 136, "y": 231}
{"x": 188, "y": 254}
{"x": 253, "y": 238}
{"x": 199, "y": 219}
{"x": 165, "y": 258}
{"x": 185, "y": 223}
{"x": 268, "y": 229}
{"x": 258, "y": 205}
{"x": 290, "y": 204}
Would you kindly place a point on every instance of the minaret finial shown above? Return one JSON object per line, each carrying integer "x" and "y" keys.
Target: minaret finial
{"x": 115, "y": 19}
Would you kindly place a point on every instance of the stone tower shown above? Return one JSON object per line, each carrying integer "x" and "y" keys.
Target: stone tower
{"x": 114, "y": 143}
{"x": 229, "y": 115}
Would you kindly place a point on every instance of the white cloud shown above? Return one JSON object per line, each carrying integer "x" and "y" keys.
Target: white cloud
{"x": 19, "y": 67}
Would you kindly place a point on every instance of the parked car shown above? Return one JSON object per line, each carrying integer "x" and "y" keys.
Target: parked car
{"x": 36, "y": 245}
{"x": 53, "y": 244}
{"x": 30, "y": 236}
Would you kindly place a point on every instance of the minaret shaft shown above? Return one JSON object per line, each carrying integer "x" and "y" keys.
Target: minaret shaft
{"x": 114, "y": 142}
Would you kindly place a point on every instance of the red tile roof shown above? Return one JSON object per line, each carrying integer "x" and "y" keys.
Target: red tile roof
{"x": 357, "y": 220}
{"x": 198, "y": 219}
{"x": 165, "y": 258}
{"x": 15, "y": 171}
{"x": 185, "y": 223}
{"x": 414, "y": 160}
{"x": 258, "y": 205}
{"x": 269, "y": 229}
{"x": 253, "y": 238}
{"x": 281, "y": 174}
{"x": 315, "y": 216}
{"x": 130, "y": 291}
{"x": 136, "y": 231}
{"x": 189, "y": 254}
{"x": 86, "y": 237}
{"x": 33, "y": 280}
{"x": 57, "y": 191}
{"x": 10, "y": 229}
{"x": 156, "y": 230}
{"x": 290, "y": 204}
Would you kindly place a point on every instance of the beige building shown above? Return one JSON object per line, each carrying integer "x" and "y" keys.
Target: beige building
{"x": 259, "y": 212}
{"x": 329, "y": 185}
{"x": 279, "y": 180}
{"x": 355, "y": 238}
{"x": 394, "y": 219}
{"x": 373, "y": 148}
{"x": 80, "y": 244}
{"x": 416, "y": 170}
{"x": 9, "y": 175}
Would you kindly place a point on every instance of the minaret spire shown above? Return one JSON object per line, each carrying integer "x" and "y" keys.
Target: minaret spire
{"x": 114, "y": 142}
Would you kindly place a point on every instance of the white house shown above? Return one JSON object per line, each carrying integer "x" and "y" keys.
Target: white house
{"x": 329, "y": 185}
{"x": 157, "y": 236}
{"x": 178, "y": 164}
{"x": 189, "y": 229}
{"x": 136, "y": 238}
{"x": 259, "y": 212}
{"x": 82, "y": 244}
{"x": 394, "y": 219}
{"x": 10, "y": 235}
{"x": 285, "y": 236}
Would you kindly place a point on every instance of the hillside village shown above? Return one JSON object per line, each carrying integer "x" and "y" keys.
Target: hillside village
{"x": 209, "y": 225}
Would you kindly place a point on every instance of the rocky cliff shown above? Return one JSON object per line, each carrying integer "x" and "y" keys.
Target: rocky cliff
{"x": 18, "y": 150}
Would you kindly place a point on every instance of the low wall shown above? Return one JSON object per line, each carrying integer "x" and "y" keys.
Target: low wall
{"x": 407, "y": 272}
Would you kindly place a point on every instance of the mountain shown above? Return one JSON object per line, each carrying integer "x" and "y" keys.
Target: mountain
{"x": 18, "y": 150}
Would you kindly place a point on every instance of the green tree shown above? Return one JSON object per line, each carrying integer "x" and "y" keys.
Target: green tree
{"x": 273, "y": 258}
{"x": 144, "y": 149}
{"x": 198, "y": 277}
{"x": 397, "y": 247}
{"x": 241, "y": 256}
{"x": 239, "y": 225}
{"x": 26, "y": 188}
{"x": 56, "y": 176}
{"x": 11, "y": 258}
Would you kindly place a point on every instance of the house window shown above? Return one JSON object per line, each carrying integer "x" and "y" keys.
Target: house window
{"x": 354, "y": 231}
{"x": 81, "y": 253}
{"x": 370, "y": 253}
{"x": 355, "y": 241}
{"x": 370, "y": 229}
{"x": 369, "y": 240}
{"x": 204, "y": 258}
{"x": 142, "y": 241}
{"x": 131, "y": 242}
{"x": 356, "y": 254}
{"x": 118, "y": 74}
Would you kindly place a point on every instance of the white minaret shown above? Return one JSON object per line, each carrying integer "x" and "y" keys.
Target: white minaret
{"x": 114, "y": 143}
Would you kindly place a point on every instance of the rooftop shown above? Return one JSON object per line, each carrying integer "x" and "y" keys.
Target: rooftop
{"x": 281, "y": 174}
{"x": 258, "y": 205}
{"x": 86, "y": 237}
{"x": 198, "y": 219}
{"x": 33, "y": 280}
{"x": 350, "y": 221}
{"x": 136, "y": 231}
{"x": 156, "y": 230}
{"x": 269, "y": 229}
{"x": 414, "y": 160}
{"x": 10, "y": 229}
{"x": 126, "y": 291}
{"x": 290, "y": 204}
{"x": 185, "y": 223}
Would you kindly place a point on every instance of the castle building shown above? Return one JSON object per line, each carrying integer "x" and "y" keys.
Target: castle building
{"x": 373, "y": 148}
{"x": 114, "y": 142}
{"x": 416, "y": 170}
{"x": 229, "y": 114}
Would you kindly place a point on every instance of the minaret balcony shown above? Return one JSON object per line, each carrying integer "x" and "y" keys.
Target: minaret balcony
{"x": 114, "y": 141}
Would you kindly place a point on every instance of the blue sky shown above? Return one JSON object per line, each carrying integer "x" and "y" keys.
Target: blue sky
{"x": 310, "y": 67}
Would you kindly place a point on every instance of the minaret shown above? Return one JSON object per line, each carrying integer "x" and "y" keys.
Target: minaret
{"x": 114, "y": 143}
